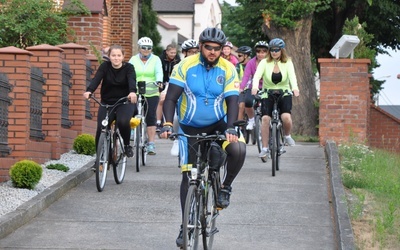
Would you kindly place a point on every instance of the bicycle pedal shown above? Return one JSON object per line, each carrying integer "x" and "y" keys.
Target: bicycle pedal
{"x": 219, "y": 208}
{"x": 101, "y": 168}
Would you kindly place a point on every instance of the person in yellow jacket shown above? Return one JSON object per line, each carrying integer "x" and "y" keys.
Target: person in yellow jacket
{"x": 277, "y": 72}
{"x": 148, "y": 68}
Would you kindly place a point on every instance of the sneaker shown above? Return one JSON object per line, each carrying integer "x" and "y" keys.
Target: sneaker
{"x": 151, "y": 149}
{"x": 128, "y": 151}
{"x": 175, "y": 148}
{"x": 289, "y": 141}
{"x": 250, "y": 125}
{"x": 158, "y": 127}
{"x": 179, "y": 239}
{"x": 223, "y": 197}
{"x": 264, "y": 153}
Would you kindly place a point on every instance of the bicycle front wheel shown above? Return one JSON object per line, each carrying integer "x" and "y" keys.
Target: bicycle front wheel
{"x": 119, "y": 158}
{"x": 102, "y": 161}
{"x": 209, "y": 215}
{"x": 144, "y": 143}
{"x": 274, "y": 148}
{"x": 257, "y": 134}
{"x": 191, "y": 221}
{"x": 138, "y": 145}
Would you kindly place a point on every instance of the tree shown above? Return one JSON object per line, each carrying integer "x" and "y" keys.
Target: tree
{"x": 310, "y": 29}
{"x": 26, "y": 23}
{"x": 148, "y": 24}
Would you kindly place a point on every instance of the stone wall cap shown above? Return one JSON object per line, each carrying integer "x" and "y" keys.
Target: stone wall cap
{"x": 343, "y": 60}
{"x": 45, "y": 47}
{"x": 14, "y": 50}
{"x": 71, "y": 46}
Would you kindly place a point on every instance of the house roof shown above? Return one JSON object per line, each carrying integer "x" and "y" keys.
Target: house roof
{"x": 394, "y": 110}
{"x": 166, "y": 25}
{"x": 176, "y": 6}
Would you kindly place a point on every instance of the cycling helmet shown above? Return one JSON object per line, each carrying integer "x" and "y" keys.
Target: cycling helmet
{"x": 277, "y": 42}
{"x": 145, "y": 41}
{"x": 261, "y": 44}
{"x": 228, "y": 44}
{"x": 189, "y": 44}
{"x": 212, "y": 35}
{"x": 244, "y": 50}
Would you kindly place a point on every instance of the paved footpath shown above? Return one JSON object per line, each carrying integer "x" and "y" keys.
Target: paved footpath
{"x": 288, "y": 211}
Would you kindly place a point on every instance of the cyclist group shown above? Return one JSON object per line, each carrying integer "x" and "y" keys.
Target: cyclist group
{"x": 211, "y": 92}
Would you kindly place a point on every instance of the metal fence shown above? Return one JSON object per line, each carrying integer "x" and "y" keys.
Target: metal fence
{"x": 66, "y": 85}
{"x": 36, "y": 101}
{"x": 5, "y": 101}
{"x": 89, "y": 72}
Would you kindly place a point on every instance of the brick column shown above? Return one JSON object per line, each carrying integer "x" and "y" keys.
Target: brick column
{"x": 49, "y": 59}
{"x": 15, "y": 63}
{"x": 344, "y": 100}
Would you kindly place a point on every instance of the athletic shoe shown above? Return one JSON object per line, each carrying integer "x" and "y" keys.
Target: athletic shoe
{"x": 264, "y": 153}
{"x": 290, "y": 141}
{"x": 151, "y": 149}
{"x": 224, "y": 196}
{"x": 128, "y": 151}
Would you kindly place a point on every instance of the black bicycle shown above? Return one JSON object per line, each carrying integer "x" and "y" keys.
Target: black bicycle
{"x": 201, "y": 210}
{"x": 140, "y": 133}
{"x": 276, "y": 139}
{"x": 110, "y": 148}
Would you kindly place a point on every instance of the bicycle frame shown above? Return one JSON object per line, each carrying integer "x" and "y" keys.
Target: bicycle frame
{"x": 140, "y": 140}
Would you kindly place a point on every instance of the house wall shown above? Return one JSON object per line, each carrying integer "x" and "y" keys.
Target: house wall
{"x": 167, "y": 36}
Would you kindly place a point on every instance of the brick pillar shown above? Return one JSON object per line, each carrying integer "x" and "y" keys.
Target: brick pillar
{"x": 75, "y": 55}
{"x": 122, "y": 28}
{"x": 16, "y": 64}
{"x": 49, "y": 59}
{"x": 344, "y": 100}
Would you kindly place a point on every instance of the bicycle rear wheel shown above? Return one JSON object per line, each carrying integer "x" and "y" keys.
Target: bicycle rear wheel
{"x": 257, "y": 134}
{"x": 144, "y": 143}
{"x": 210, "y": 214}
{"x": 102, "y": 161}
{"x": 274, "y": 148}
{"x": 119, "y": 158}
{"x": 191, "y": 220}
{"x": 138, "y": 145}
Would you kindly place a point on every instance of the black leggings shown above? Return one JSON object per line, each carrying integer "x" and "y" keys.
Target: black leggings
{"x": 236, "y": 154}
{"x": 124, "y": 114}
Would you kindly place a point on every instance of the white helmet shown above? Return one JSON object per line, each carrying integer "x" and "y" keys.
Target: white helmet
{"x": 145, "y": 41}
{"x": 189, "y": 44}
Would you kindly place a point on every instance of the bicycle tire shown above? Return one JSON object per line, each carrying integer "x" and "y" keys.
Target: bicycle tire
{"x": 102, "y": 162}
{"x": 119, "y": 158}
{"x": 190, "y": 226}
{"x": 281, "y": 142}
{"x": 257, "y": 134}
{"x": 274, "y": 148}
{"x": 138, "y": 145}
{"x": 144, "y": 143}
{"x": 210, "y": 213}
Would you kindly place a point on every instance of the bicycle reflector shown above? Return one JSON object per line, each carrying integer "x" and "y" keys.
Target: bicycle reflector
{"x": 104, "y": 122}
{"x": 134, "y": 122}
{"x": 193, "y": 173}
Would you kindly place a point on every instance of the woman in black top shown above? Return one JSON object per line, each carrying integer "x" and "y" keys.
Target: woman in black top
{"x": 118, "y": 80}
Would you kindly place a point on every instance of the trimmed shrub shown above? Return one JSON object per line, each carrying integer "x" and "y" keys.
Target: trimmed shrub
{"x": 58, "y": 166}
{"x": 84, "y": 144}
{"x": 25, "y": 174}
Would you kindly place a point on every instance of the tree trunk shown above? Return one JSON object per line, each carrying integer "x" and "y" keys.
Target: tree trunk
{"x": 304, "y": 112}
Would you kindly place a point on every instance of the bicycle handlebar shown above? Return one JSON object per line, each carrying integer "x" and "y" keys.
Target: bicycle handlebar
{"x": 122, "y": 100}
{"x": 203, "y": 136}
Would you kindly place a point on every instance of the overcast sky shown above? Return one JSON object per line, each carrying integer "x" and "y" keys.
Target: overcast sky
{"x": 388, "y": 71}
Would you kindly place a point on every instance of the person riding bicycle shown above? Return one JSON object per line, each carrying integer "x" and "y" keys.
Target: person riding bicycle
{"x": 277, "y": 72}
{"x": 148, "y": 68}
{"x": 246, "y": 99}
{"x": 205, "y": 88}
{"x": 117, "y": 80}
{"x": 227, "y": 53}
{"x": 190, "y": 47}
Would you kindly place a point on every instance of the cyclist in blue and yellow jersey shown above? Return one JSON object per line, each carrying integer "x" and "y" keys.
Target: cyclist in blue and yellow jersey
{"x": 277, "y": 72}
{"x": 204, "y": 88}
{"x": 148, "y": 68}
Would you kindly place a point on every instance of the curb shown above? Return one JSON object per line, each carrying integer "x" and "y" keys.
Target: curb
{"x": 30, "y": 209}
{"x": 344, "y": 231}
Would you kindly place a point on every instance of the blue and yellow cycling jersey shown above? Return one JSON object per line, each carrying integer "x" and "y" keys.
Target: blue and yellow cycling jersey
{"x": 204, "y": 91}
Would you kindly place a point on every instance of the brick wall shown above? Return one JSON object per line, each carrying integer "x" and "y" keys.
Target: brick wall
{"x": 346, "y": 112}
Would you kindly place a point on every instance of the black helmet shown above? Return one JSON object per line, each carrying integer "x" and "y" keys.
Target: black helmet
{"x": 261, "y": 44}
{"x": 277, "y": 42}
{"x": 244, "y": 50}
{"x": 212, "y": 35}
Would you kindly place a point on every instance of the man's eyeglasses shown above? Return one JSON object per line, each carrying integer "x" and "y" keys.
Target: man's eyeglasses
{"x": 275, "y": 50}
{"x": 146, "y": 47}
{"x": 261, "y": 50}
{"x": 192, "y": 52}
{"x": 240, "y": 55}
{"x": 215, "y": 48}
